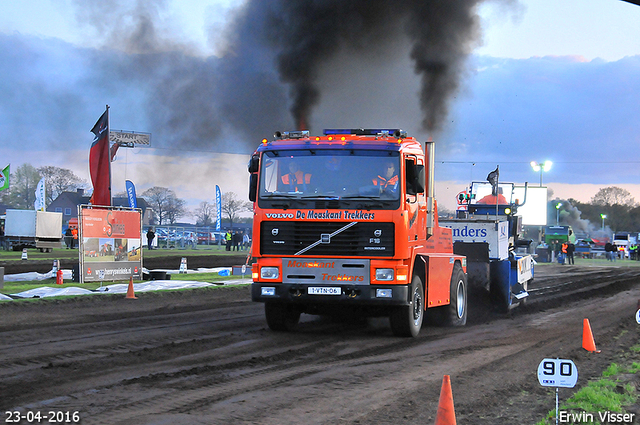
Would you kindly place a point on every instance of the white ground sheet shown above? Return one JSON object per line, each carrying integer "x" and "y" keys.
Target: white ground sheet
{"x": 118, "y": 288}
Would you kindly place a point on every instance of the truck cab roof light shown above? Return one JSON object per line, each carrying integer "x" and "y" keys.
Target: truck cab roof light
{"x": 300, "y": 134}
{"x": 384, "y": 132}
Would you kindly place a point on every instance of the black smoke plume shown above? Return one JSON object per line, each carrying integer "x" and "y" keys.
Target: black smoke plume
{"x": 194, "y": 101}
{"x": 308, "y": 32}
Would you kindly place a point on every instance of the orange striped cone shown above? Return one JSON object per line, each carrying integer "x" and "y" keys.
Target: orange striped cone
{"x": 446, "y": 413}
{"x": 588, "y": 342}
{"x": 130, "y": 294}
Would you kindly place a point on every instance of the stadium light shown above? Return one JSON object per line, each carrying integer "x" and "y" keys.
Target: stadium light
{"x": 541, "y": 166}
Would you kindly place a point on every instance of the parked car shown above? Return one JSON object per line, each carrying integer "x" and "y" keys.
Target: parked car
{"x": 205, "y": 238}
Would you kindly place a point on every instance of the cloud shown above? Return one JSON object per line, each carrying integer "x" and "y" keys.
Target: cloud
{"x": 581, "y": 115}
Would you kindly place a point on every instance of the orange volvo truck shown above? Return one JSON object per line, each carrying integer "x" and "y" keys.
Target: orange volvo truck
{"x": 347, "y": 221}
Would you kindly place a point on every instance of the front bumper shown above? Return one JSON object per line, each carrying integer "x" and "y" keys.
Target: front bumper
{"x": 356, "y": 295}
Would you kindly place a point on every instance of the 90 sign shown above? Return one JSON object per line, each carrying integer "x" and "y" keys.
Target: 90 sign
{"x": 557, "y": 373}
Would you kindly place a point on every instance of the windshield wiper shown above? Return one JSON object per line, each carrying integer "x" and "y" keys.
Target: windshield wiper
{"x": 318, "y": 196}
{"x": 280, "y": 195}
{"x": 360, "y": 197}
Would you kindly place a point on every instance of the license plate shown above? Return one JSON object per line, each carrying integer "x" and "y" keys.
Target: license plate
{"x": 324, "y": 290}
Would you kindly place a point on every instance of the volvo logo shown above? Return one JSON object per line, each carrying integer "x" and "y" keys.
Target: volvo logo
{"x": 377, "y": 233}
{"x": 274, "y": 231}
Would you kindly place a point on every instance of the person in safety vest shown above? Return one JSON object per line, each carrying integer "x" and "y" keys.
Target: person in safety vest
{"x": 387, "y": 180}
{"x": 296, "y": 180}
{"x": 493, "y": 199}
{"x": 227, "y": 238}
{"x": 74, "y": 240}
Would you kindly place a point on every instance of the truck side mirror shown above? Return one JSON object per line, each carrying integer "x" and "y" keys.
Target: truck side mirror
{"x": 419, "y": 184}
{"x": 253, "y": 187}
{"x": 254, "y": 164}
{"x": 415, "y": 178}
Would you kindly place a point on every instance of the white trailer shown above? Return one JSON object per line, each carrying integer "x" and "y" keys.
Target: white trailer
{"x": 32, "y": 229}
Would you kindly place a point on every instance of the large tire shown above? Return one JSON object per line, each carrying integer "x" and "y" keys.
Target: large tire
{"x": 406, "y": 321}
{"x": 281, "y": 317}
{"x": 456, "y": 311}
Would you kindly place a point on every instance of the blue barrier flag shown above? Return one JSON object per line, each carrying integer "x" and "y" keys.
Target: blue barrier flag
{"x": 131, "y": 194}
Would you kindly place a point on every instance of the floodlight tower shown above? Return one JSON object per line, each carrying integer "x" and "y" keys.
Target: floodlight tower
{"x": 541, "y": 166}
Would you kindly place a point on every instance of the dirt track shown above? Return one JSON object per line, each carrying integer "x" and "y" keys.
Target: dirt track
{"x": 207, "y": 357}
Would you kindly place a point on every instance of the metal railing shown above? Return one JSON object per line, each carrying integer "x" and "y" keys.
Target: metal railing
{"x": 185, "y": 237}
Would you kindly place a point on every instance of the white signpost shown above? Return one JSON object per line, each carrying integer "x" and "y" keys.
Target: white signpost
{"x": 557, "y": 373}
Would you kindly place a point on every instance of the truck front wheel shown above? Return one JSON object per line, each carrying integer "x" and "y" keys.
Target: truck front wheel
{"x": 407, "y": 320}
{"x": 281, "y": 317}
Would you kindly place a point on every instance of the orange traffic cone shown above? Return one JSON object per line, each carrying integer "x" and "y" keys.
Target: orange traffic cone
{"x": 446, "y": 414}
{"x": 130, "y": 293}
{"x": 587, "y": 337}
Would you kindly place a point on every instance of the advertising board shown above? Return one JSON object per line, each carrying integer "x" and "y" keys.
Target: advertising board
{"x": 496, "y": 234}
{"x": 110, "y": 244}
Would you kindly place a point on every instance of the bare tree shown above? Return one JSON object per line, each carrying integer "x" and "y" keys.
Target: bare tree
{"x": 166, "y": 206}
{"x": 58, "y": 180}
{"x": 175, "y": 209}
{"x": 613, "y": 195}
{"x": 204, "y": 214}
{"x": 232, "y": 206}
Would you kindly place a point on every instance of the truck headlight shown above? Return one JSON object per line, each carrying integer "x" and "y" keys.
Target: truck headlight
{"x": 384, "y": 274}
{"x": 269, "y": 273}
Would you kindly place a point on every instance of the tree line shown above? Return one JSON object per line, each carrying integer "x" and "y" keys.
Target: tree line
{"x": 167, "y": 207}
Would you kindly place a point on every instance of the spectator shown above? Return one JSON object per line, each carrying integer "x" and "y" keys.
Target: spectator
{"x": 74, "y": 240}
{"x": 68, "y": 237}
{"x": 227, "y": 238}
{"x": 150, "y": 235}
{"x": 246, "y": 240}
{"x": 609, "y": 250}
{"x": 570, "y": 250}
{"x": 236, "y": 238}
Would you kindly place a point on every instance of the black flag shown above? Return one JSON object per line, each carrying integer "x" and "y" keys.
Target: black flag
{"x": 493, "y": 177}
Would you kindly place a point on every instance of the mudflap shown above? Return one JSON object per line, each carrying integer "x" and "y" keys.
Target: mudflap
{"x": 500, "y": 287}
{"x": 506, "y": 292}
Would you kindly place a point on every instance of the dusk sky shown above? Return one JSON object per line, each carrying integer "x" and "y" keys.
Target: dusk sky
{"x": 545, "y": 80}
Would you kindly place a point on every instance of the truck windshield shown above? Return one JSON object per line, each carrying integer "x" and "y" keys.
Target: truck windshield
{"x": 345, "y": 175}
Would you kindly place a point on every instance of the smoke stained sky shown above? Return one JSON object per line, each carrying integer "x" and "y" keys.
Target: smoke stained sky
{"x": 147, "y": 62}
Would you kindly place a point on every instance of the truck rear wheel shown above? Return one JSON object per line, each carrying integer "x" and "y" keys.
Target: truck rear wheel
{"x": 407, "y": 320}
{"x": 454, "y": 314}
{"x": 456, "y": 311}
{"x": 281, "y": 317}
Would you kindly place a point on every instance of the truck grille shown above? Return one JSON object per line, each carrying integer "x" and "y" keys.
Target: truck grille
{"x": 359, "y": 240}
